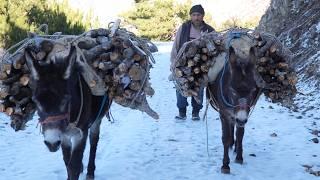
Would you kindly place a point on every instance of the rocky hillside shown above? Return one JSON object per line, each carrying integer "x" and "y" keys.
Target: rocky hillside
{"x": 297, "y": 24}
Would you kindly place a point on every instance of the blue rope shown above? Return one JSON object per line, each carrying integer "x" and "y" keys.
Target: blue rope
{"x": 231, "y": 36}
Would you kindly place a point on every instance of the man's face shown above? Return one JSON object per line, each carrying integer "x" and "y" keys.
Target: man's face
{"x": 196, "y": 18}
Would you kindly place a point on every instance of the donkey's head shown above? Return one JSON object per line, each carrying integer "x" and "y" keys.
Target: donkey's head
{"x": 52, "y": 76}
{"x": 242, "y": 86}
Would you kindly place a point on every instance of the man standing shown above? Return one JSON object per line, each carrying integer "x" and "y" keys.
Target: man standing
{"x": 189, "y": 30}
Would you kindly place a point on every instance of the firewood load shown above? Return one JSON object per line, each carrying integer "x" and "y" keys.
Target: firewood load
{"x": 197, "y": 57}
{"x": 115, "y": 61}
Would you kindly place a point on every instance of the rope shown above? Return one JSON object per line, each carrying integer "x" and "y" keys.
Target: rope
{"x": 81, "y": 103}
{"x": 105, "y": 97}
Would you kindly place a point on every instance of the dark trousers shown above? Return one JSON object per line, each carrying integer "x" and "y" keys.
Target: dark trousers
{"x": 182, "y": 101}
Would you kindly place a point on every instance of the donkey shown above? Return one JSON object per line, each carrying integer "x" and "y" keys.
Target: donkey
{"x": 66, "y": 107}
{"x": 233, "y": 94}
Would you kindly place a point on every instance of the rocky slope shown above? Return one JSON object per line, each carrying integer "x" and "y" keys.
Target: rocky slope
{"x": 297, "y": 24}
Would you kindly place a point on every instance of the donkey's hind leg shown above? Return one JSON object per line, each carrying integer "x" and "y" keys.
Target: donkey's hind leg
{"x": 94, "y": 138}
{"x": 226, "y": 140}
{"x": 239, "y": 138}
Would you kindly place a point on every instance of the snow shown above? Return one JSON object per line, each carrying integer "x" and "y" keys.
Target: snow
{"x": 136, "y": 147}
{"x": 318, "y": 27}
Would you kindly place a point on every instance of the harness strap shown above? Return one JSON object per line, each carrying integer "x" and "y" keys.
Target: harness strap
{"x": 55, "y": 118}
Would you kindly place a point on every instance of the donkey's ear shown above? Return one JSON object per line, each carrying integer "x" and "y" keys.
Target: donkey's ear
{"x": 32, "y": 66}
{"x": 70, "y": 59}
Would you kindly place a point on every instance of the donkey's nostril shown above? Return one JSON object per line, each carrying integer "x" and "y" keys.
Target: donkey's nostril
{"x": 56, "y": 144}
{"x": 47, "y": 143}
{"x": 53, "y": 147}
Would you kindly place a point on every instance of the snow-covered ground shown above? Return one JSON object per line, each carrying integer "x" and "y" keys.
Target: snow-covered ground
{"x": 277, "y": 143}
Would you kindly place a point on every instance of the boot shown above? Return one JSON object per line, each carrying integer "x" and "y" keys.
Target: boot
{"x": 182, "y": 114}
{"x": 195, "y": 115}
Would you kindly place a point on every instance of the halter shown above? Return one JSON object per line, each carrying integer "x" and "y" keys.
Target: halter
{"x": 61, "y": 117}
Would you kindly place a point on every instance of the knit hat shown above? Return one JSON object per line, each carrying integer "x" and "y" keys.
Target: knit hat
{"x": 197, "y": 8}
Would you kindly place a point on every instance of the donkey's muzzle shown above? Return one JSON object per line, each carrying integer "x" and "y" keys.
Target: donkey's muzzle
{"x": 53, "y": 147}
{"x": 241, "y": 123}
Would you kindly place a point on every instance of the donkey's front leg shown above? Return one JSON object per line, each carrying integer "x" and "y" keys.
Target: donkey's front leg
{"x": 75, "y": 166}
{"x": 94, "y": 138}
{"x": 66, "y": 152}
{"x": 226, "y": 140}
{"x": 239, "y": 137}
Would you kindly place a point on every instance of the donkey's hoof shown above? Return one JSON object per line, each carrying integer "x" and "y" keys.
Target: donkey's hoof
{"x": 90, "y": 177}
{"x": 239, "y": 160}
{"x": 225, "y": 170}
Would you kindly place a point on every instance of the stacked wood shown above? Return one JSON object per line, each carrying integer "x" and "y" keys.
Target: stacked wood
{"x": 196, "y": 57}
{"x": 122, "y": 60}
{"x": 193, "y": 62}
{"x": 15, "y": 93}
{"x": 114, "y": 55}
{"x": 273, "y": 64}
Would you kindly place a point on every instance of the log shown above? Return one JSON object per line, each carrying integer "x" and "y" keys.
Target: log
{"x": 128, "y": 53}
{"x": 96, "y": 63}
{"x": 24, "y": 79}
{"x": 263, "y": 60}
{"x": 204, "y": 57}
{"x": 87, "y": 43}
{"x": 4, "y": 91}
{"x": 126, "y": 43}
{"x": 6, "y": 67}
{"x": 190, "y": 78}
{"x": 116, "y": 42}
{"x": 9, "y": 111}
{"x": 128, "y": 94}
{"x": 204, "y": 50}
{"x": 273, "y": 49}
{"x": 108, "y": 78}
{"x": 196, "y": 70}
{"x": 292, "y": 79}
{"x": 18, "y": 59}
{"x": 186, "y": 71}
{"x": 115, "y": 56}
{"x": 204, "y": 68}
{"x": 105, "y": 56}
{"x": 137, "y": 57}
{"x": 135, "y": 85}
{"x": 190, "y": 63}
{"x": 283, "y": 66}
{"x": 125, "y": 65}
{"x": 197, "y": 57}
{"x": 102, "y": 39}
{"x": 104, "y": 66}
{"x": 15, "y": 88}
{"x": 148, "y": 90}
{"x": 192, "y": 50}
{"x": 136, "y": 73}
{"x": 3, "y": 76}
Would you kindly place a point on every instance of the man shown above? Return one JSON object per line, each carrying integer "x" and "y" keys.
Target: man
{"x": 189, "y": 30}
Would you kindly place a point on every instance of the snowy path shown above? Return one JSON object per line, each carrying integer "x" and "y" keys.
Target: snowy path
{"x": 137, "y": 147}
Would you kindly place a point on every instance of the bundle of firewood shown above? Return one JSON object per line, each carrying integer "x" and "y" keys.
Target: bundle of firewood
{"x": 114, "y": 56}
{"x": 273, "y": 64}
{"x": 122, "y": 60}
{"x": 15, "y": 93}
{"x": 193, "y": 62}
{"x": 196, "y": 57}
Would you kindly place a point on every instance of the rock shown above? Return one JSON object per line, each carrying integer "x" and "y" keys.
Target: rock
{"x": 315, "y": 140}
{"x": 273, "y": 135}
